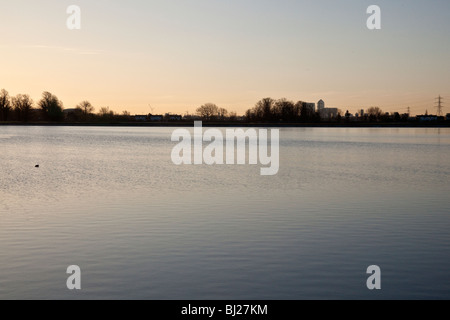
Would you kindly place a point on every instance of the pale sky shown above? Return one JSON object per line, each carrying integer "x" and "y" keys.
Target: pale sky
{"x": 176, "y": 55}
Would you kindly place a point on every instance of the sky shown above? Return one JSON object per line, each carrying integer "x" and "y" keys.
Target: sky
{"x": 158, "y": 56}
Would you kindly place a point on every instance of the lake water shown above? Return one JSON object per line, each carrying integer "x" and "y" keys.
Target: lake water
{"x": 111, "y": 201}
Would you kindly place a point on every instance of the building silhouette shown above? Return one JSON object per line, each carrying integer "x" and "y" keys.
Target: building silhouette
{"x": 326, "y": 113}
{"x": 320, "y": 105}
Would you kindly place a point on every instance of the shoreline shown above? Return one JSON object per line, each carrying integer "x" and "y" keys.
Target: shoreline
{"x": 445, "y": 124}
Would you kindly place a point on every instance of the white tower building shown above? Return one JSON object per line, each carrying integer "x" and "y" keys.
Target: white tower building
{"x": 320, "y": 105}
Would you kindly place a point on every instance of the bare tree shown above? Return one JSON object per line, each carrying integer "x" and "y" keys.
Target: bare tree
{"x": 223, "y": 113}
{"x": 104, "y": 112}
{"x": 124, "y": 116}
{"x": 306, "y": 111}
{"x": 265, "y": 109}
{"x": 51, "y": 106}
{"x": 285, "y": 109}
{"x": 208, "y": 111}
{"x": 5, "y": 105}
{"x": 86, "y": 107}
{"x": 22, "y": 104}
{"x": 298, "y": 108}
{"x": 374, "y": 113}
{"x": 269, "y": 109}
{"x": 249, "y": 115}
{"x": 232, "y": 116}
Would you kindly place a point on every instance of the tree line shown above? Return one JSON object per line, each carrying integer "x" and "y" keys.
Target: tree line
{"x": 21, "y": 107}
{"x": 49, "y": 108}
{"x": 210, "y": 111}
{"x": 270, "y": 110}
{"x": 267, "y": 109}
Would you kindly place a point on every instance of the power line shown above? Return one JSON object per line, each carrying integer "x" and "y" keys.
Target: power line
{"x": 439, "y": 106}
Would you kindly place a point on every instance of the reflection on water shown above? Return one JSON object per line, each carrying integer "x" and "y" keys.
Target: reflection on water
{"x": 111, "y": 201}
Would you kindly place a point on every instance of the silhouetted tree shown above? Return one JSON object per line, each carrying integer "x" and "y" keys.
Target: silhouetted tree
{"x": 298, "y": 110}
{"x": 208, "y": 111}
{"x": 374, "y": 113}
{"x": 307, "y": 113}
{"x": 5, "y": 105}
{"x": 405, "y": 117}
{"x": 265, "y": 109}
{"x": 51, "y": 107}
{"x": 75, "y": 115}
{"x": 22, "y": 104}
{"x": 223, "y": 113}
{"x": 125, "y": 116}
{"x": 105, "y": 113}
{"x": 347, "y": 115}
{"x": 249, "y": 115}
{"x": 232, "y": 116}
{"x": 386, "y": 117}
{"x": 86, "y": 107}
{"x": 268, "y": 109}
{"x": 285, "y": 109}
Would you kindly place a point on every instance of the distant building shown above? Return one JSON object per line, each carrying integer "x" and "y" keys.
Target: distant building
{"x": 310, "y": 106}
{"x": 328, "y": 113}
{"x": 320, "y": 105}
{"x": 140, "y": 118}
{"x": 66, "y": 111}
{"x": 426, "y": 118}
{"x": 192, "y": 117}
{"x": 173, "y": 117}
{"x": 155, "y": 118}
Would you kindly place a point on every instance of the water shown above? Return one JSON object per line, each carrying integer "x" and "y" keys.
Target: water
{"x": 111, "y": 201}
